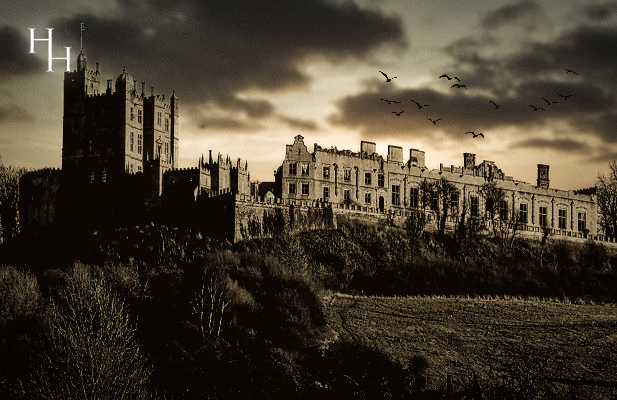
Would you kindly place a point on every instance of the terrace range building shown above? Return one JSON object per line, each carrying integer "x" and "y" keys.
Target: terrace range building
{"x": 368, "y": 182}
{"x": 120, "y": 168}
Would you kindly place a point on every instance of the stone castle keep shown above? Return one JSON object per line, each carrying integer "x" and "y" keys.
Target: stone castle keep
{"x": 120, "y": 167}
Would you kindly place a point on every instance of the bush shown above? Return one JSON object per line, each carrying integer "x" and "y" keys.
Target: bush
{"x": 90, "y": 347}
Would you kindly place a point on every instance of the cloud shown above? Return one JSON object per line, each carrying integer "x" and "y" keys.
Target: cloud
{"x": 511, "y": 14}
{"x": 12, "y": 112}
{"x": 15, "y": 58}
{"x": 297, "y": 123}
{"x": 214, "y": 50}
{"x": 567, "y": 145}
{"x": 599, "y": 12}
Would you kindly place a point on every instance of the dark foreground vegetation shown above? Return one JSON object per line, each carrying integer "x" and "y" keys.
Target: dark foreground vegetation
{"x": 164, "y": 313}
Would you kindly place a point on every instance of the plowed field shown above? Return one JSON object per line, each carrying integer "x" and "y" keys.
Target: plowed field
{"x": 491, "y": 339}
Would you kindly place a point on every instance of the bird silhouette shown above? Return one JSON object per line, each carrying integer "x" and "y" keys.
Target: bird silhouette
{"x": 420, "y": 105}
{"x": 434, "y": 121}
{"x": 446, "y": 76}
{"x": 536, "y": 108}
{"x": 387, "y": 79}
{"x": 548, "y": 103}
{"x": 495, "y": 104}
{"x": 475, "y": 134}
{"x": 458, "y": 86}
{"x": 398, "y": 114}
{"x": 565, "y": 97}
{"x": 569, "y": 70}
{"x": 390, "y": 101}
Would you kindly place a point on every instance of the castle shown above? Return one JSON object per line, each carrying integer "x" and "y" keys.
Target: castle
{"x": 120, "y": 158}
{"x": 120, "y": 166}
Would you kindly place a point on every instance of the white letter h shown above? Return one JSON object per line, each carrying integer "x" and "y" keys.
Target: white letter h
{"x": 50, "y": 58}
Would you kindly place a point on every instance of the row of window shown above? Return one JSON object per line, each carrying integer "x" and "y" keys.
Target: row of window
{"x": 304, "y": 167}
{"x": 159, "y": 118}
{"x": 454, "y": 205}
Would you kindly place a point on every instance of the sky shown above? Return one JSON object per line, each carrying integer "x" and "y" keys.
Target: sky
{"x": 250, "y": 75}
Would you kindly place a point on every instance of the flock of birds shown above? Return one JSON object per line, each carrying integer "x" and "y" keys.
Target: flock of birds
{"x": 459, "y": 86}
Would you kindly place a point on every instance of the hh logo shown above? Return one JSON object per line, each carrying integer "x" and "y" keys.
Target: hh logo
{"x": 50, "y": 58}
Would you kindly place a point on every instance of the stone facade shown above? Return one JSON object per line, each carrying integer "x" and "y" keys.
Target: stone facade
{"x": 368, "y": 181}
{"x": 120, "y": 156}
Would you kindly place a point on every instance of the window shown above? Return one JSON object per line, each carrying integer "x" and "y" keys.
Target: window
{"x": 380, "y": 180}
{"x": 582, "y": 225}
{"x": 326, "y": 193}
{"x": 367, "y": 178}
{"x": 414, "y": 197}
{"x": 346, "y": 195}
{"x": 104, "y": 176}
{"x": 523, "y": 213}
{"x": 91, "y": 176}
{"x": 166, "y": 125}
{"x": 139, "y": 168}
{"x": 475, "y": 206}
{"x": 131, "y": 168}
{"x": 326, "y": 172}
{"x": 396, "y": 195}
{"x": 158, "y": 118}
{"x": 503, "y": 210}
{"x": 166, "y": 151}
{"x": 293, "y": 169}
{"x": 305, "y": 168}
{"x": 543, "y": 217}
{"x": 305, "y": 188}
{"x": 139, "y": 139}
{"x": 434, "y": 200}
{"x": 132, "y": 113}
{"x": 132, "y": 141}
{"x": 367, "y": 198}
{"x": 347, "y": 175}
{"x": 91, "y": 147}
{"x": 562, "y": 219}
{"x": 292, "y": 188}
{"x": 139, "y": 114}
{"x": 454, "y": 203}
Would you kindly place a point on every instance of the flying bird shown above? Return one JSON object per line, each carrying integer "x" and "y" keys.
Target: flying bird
{"x": 398, "y": 114}
{"x": 420, "y": 105}
{"x": 569, "y": 70}
{"x": 536, "y": 108}
{"x": 565, "y": 97}
{"x": 390, "y": 101}
{"x": 475, "y": 134}
{"x": 548, "y": 103}
{"x": 458, "y": 86}
{"x": 434, "y": 121}
{"x": 495, "y": 104}
{"x": 446, "y": 76}
{"x": 387, "y": 79}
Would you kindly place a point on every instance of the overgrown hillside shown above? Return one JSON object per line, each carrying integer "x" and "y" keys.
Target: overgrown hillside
{"x": 162, "y": 312}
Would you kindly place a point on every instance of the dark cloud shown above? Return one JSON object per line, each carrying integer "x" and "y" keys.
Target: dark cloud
{"x": 600, "y": 12}
{"x": 213, "y": 50}
{"x": 227, "y": 124}
{"x": 16, "y": 59}
{"x": 12, "y": 112}
{"x": 510, "y": 14}
{"x": 297, "y": 123}
{"x": 567, "y": 145}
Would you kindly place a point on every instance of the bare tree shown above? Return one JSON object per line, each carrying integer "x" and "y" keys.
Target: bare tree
{"x": 9, "y": 199}
{"x": 607, "y": 200}
{"x": 216, "y": 292}
{"x": 493, "y": 197}
{"x": 91, "y": 349}
{"x": 446, "y": 192}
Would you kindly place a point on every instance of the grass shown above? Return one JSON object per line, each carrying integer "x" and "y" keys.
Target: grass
{"x": 489, "y": 340}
